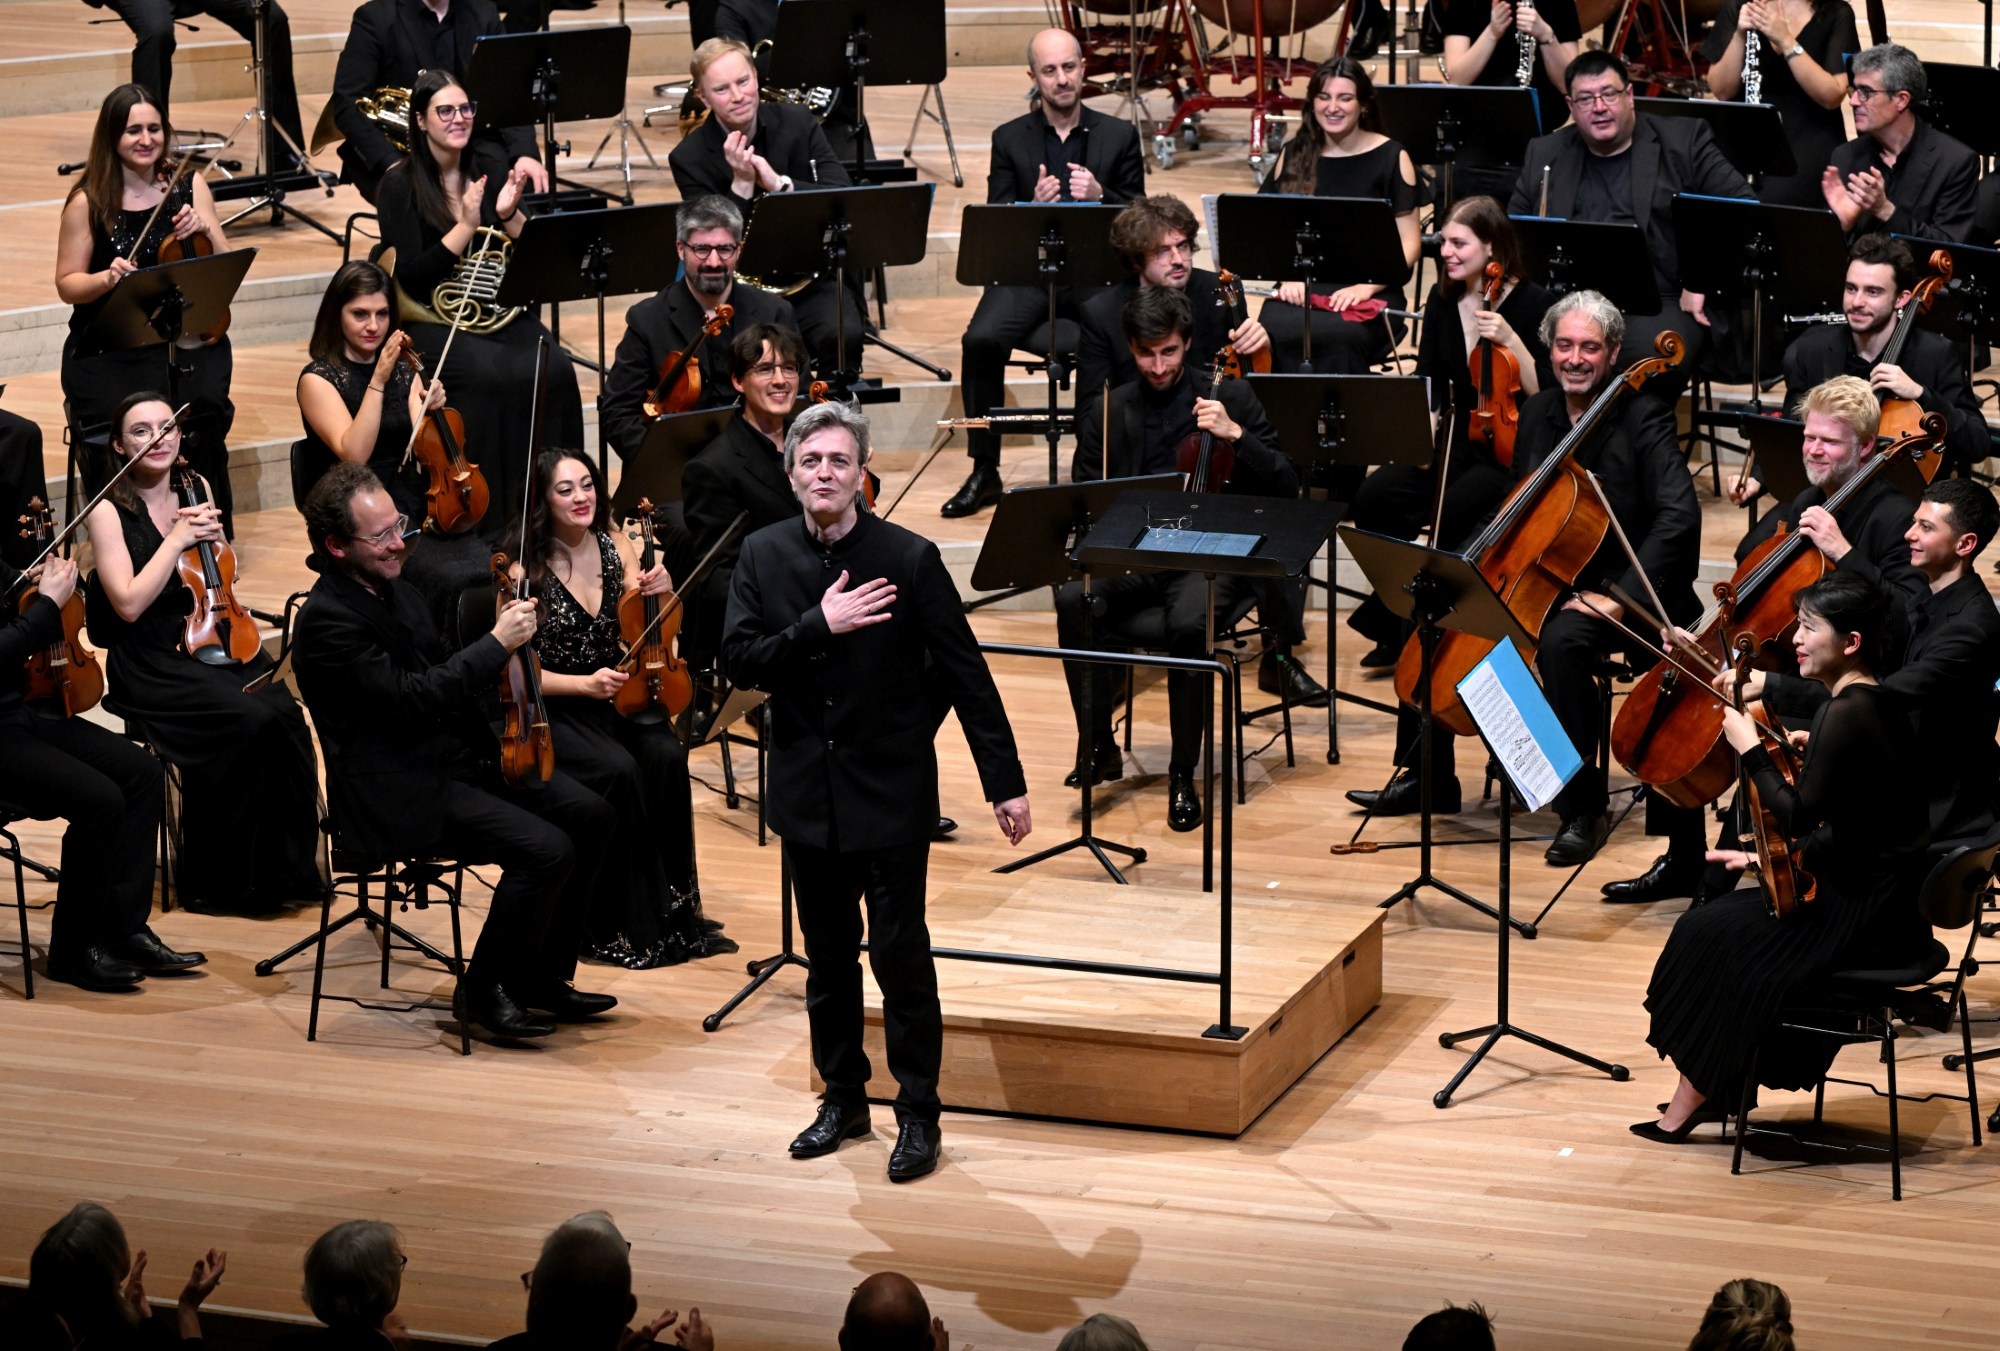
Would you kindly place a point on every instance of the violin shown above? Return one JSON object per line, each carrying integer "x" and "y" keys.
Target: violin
{"x": 1206, "y": 462}
{"x": 1496, "y": 374}
{"x": 1787, "y": 885}
{"x": 1547, "y": 530}
{"x": 218, "y": 631}
{"x": 457, "y": 497}
{"x": 174, "y": 249}
{"x": 66, "y": 669}
{"x": 1229, "y": 296}
{"x": 527, "y": 746}
{"x": 679, "y": 389}
{"x": 661, "y": 686}
{"x": 1901, "y": 417}
{"x": 1668, "y": 732}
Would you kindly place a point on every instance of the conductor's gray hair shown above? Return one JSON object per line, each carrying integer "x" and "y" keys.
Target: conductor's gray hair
{"x": 1600, "y": 311}
{"x": 710, "y": 212}
{"x": 818, "y": 418}
{"x": 1898, "y": 66}
{"x": 354, "y": 1274}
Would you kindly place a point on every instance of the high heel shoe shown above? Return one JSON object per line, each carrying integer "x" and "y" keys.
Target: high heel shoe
{"x": 1701, "y": 1116}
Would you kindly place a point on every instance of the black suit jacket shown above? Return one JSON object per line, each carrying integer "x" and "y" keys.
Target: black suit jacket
{"x": 396, "y": 716}
{"x": 854, "y": 716}
{"x": 788, "y": 137}
{"x": 1933, "y": 186}
{"x": 1261, "y": 468}
{"x": 1873, "y": 520}
{"x": 1946, "y": 685}
{"x": 1110, "y": 151}
{"x": 1931, "y": 359}
{"x": 666, "y": 323}
{"x": 1103, "y": 354}
{"x": 388, "y": 43}
{"x": 1669, "y": 155}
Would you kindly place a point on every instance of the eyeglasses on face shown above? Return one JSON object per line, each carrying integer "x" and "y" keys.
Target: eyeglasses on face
{"x": 1862, "y": 93}
{"x": 453, "y": 112}
{"x": 387, "y": 538}
{"x": 723, "y": 252}
{"x": 1605, "y": 99}
{"x": 766, "y": 370}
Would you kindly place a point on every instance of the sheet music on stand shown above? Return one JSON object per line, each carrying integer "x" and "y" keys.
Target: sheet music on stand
{"x": 1514, "y": 717}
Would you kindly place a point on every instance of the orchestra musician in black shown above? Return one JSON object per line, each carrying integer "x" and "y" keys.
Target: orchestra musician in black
{"x": 1482, "y": 46}
{"x": 754, "y": 23}
{"x": 1899, "y": 175}
{"x": 1803, "y": 46}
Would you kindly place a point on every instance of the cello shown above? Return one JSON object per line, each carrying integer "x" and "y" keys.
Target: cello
{"x": 1547, "y": 530}
{"x": 661, "y": 686}
{"x": 1901, "y": 417}
{"x": 679, "y": 389}
{"x": 457, "y": 496}
{"x": 66, "y": 669}
{"x": 1229, "y": 296}
{"x": 527, "y": 747}
{"x": 1668, "y": 732}
{"x": 1496, "y": 374}
{"x": 1206, "y": 462}
{"x": 217, "y": 631}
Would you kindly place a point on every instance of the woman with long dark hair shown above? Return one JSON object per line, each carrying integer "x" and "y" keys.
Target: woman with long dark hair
{"x": 1729, "y": 966}
{"x": 1340, "y": 151}
{"x": 125, "y": 175}
{"x": 1803, "y": 46}
{"x": 646, "y": 910}
{"x": 249, "y": 780}
{"x": 433, "y": 206}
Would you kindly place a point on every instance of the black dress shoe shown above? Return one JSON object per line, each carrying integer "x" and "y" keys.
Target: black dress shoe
{"x": 95, "y": 969}
{"x": 495, "y": 1010}
{"x": 944, "y": 828}
{"x": 1652, "y": 1130}
{"x": 1404, "y": 795}
{"x": 1109, "y": 766}
{"x": 916, "y": 1151}
{"x": 981, "y": 489}
{"x": 1283, "y": 674}
{"x": 1183, "y": 803}
{"x": 567, "y": 1004}
{"x": 1667, "y": 880}
{"x": 1578, "y": 841}
{"x": 145, "y": 951}
{"x": 1382, "y": 654}
{"x": 833, "y": 1124}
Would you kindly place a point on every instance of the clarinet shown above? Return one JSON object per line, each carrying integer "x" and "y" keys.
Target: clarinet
{"x": 1524, "y": 74}
{"x": 1753, "y": 68}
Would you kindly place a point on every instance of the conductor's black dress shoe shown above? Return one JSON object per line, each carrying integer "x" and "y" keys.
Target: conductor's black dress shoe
{"x": 981, "y": 489}
{"x": 833, "y": 1124}
{"x": 495, "y": 1010}
{"x": 916, "y": 1151}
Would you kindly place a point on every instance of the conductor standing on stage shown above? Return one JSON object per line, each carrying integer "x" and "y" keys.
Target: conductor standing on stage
{"x": 853, "y": 628}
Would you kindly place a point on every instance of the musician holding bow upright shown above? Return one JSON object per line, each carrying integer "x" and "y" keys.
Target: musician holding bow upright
{"x": 851, "y": 625}
{"x": 1059, "y": 151}
{"x": 412, "y": 766}
{"x": 1899, "y": 175}
{"x": 710, "y": 233}
{"x": 1150, "y": 419}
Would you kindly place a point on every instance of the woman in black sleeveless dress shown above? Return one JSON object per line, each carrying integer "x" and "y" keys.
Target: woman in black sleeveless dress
{"x": 249, "y": 781}
{"x": 646, "y": 911}
{"x": 124, "y": 177}
{"x": 1807, "y": 86}
{"x": 1729, "y": 966}
{"x": 1339, "y": 152}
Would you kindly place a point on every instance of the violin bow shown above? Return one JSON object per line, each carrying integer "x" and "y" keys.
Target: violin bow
{"x": 70, "y": 527}
{"x": 172, "y": 183}
{"x": 1447, "y": 429}
{"x": 695, "y": 577}
{"x": 417, "y": 423}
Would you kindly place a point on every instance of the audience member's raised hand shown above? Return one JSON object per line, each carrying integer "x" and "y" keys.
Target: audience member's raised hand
{"x": 636, "y": 1338}
{"x": 940, "y": 1339}
{"x": 135, "y": 1287}
{"x": 201, "y": 1283}
{"x": 695, "y": 1335}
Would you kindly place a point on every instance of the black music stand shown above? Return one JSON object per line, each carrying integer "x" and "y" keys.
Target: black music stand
{"x": 1043, "y": 245}
{"x": 1579, "y": 255}
{"x": 1438, "y": 591}
{"x": 840, "y": 230}
{"x": 819, "y": 43}
{"x": 1960, "y": 104}
{"x": 1029, "y": 544}
{"x": 1342, "y": 241}
{"x": 1793, "y": 255}
{"x": 654, "y": 471}
{"x": 1354, "y": 421}
{"x": 158, "y": 304}
{"x": 578, "y": 255}
{"x": 1969, "y": 310}
{"x": 1437, "y": 123}
{"x": 1750, "y": 135}
{"x": 569, "y": 74}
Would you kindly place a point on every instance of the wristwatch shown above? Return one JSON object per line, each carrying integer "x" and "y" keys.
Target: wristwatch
{"x": 784, "y": 182}
{"x": 1798, "y": 49}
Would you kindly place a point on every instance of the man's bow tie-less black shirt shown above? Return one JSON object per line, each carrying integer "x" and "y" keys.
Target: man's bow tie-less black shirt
{"x": 1168, "y": 416}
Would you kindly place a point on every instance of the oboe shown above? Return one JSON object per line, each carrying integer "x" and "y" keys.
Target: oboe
{"x": 1524, "y": 74}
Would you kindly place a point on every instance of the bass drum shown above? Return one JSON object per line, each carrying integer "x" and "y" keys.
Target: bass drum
{"x": 1281, "y": 17}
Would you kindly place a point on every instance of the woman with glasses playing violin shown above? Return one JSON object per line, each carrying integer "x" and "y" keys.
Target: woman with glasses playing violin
{"x": 645, "y": 909}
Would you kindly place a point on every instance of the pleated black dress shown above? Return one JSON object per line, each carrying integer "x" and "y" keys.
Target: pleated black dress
{"x": 646, "y": 908}
{"x": 1729, "y": 966}
{"x": 249, "y": 780}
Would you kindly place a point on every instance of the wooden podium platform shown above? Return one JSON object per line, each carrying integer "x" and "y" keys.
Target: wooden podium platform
{"x": 1126, "y": 1050}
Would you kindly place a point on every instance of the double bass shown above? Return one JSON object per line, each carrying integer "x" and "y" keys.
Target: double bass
{"x": 456, "y": 497}
{"x": 217, "y": 631}
{"x": 680, "y": 384}
{"x": 1496, "y": 374}
{"x": 660, "y": 686}
{"x": 527, "y": 746}
{"x": 1538, "y": 543}
{"x": 66, "y": 669}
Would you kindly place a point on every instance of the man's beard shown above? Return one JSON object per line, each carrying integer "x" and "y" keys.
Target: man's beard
{"x": 1830, "y": 476}
{"x": 1874, "y": 325}
{"x": 711, "y": 281}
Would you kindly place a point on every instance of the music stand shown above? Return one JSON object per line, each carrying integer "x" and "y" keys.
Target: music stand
{"x": 1960, "y": 104}
{"x": 268, "y": 183}
{"x": 1969, "y": 309}
{"x": 820, "y": 43}
{"x": 580, "y": 254}
{"x": 1029, "y": 544}
{"x": 1043, "y": 245}
{"x": 1750, "y": 136}
{"x": 571, "y": 73}
{"x": 158, "y": 304}
{"x": 1793, "y": 255}
{"x": 1354, "y": 421}
{"x": 1579, "y": 255}
{"x": 654, "y": 471}
{"x": 1343, "y": 241}
{"x": 1437, "y": 123}
{"x": 1438, "y": 591}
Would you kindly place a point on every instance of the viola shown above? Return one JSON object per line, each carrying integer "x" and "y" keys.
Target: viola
{"x": 1901, "y": 417}
{"x": 527, "y": 746}
{"x": 1229, "y": 297}
{"x": 1496, "y": 374}
{"x": 457, "y": 497}
{"x": 1208, "y": 463}
{"x": 66, "y": 669}
{"x": 217, "y": 631}
{"x": 660, "y": 686}
{"x": 1787, "y": 885}
{"x": 679, "y": 389}
{"x": 1547, "y": 530}
{"x": 1668, "y": 732}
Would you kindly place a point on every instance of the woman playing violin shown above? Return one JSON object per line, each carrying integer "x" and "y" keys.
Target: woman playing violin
{"x": 249, "y": 781}
{"x": 646, "y": 907}
{"x": 114, "y": 223}
{"x": 1729, "y": 965}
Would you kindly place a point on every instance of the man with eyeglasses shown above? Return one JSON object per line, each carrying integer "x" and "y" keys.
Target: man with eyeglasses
{"x": 1610, "y": 164}
{"x": 710, "y": 231}
{"x": 1899, "y": 175}
{"x": 412, "y": 766}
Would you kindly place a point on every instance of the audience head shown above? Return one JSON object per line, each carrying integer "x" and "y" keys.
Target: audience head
{"x": 580, "y": 1293}
{"x": 725, "y": 78}
{"x": 1847, "y": 622}
{"x": 1841, "y": 417}
{"x": 1880, "y": 273}
{"x": 78, "y": 1273}
{"x": 887, "y": 1313}
{"x": 1452, "y": 1329}
{"x": 1476, "y": 232}
{"x": 441, "y": 119}
{"x": 354, "y": 1274}
{"x": 1340, "y": 100}
{"x": 1055, "y": 64}
{"x": 1885, "y": 82}
{"x": 1583, "y": 332}
{"x": 1102, "y": 1332}
{"x": 356, "y": 315}
{"x": 1746, "y": 1315}
{"x": 1600, "y": 99}
{"x": 1159, "y": 325}
{"x": 353, "y": 525}
{"x": 1951, "y": 526}
{"x": 132, "y": 133}
{"x": 1155, "y": 236}
{"x": 709, "y": 232}
{"x": 766, "y": 363}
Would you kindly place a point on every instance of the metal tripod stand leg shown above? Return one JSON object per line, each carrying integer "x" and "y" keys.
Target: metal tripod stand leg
{"x": 932, "y": 91}
{"x": 626, "y": 133}
{"x": 762, "y": 971}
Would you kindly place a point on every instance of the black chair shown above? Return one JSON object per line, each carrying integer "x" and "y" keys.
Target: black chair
{"x": 1863, "y": 1006}
{"x": 1069, "y": 336}
{"x": 309, "y": 464}
{"x": 11, "y": 851}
